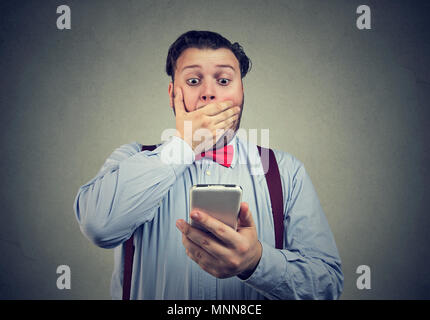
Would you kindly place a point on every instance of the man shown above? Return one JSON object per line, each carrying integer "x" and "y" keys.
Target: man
{"x": 146, "y": 194}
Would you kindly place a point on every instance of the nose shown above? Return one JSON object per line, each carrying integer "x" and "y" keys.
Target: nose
{"x": 208, "y": 94}
{"x": 207, "y": 98}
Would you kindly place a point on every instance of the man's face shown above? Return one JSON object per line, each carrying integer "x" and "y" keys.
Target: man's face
{"x": 207, "y": 76}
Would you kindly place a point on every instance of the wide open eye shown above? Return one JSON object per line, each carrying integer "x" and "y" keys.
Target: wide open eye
{"x": 223, "y": 81}
{"x": 193, "y": 81}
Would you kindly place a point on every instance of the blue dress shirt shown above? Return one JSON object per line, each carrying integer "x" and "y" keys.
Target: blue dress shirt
{"x": 146, "y": 192}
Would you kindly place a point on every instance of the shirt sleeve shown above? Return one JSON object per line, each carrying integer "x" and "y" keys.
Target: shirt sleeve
{"x": 128, "y": 189}
{"x": 309, "y": 267}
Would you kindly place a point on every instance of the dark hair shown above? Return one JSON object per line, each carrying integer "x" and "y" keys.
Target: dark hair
{"x": 205, "y": 40}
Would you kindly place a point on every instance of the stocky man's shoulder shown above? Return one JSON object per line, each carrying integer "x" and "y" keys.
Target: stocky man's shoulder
{"x": 121, "y": 153}
{"x": 288, "y": 164}
{"x": 125, "y": 151}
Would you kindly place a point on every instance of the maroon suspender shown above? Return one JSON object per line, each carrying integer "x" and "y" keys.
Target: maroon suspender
{"x": 128, "y": 268}
{"x": 129, "y": 255}
{"x": 274, "y": 184}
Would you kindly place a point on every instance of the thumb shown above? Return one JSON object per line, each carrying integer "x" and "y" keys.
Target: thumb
{"x": 245, "y": 216}
{"x": 179, "y": 101}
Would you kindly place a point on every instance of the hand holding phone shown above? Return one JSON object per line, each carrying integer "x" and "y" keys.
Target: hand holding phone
{"x": 222, "y": 251}
{"x": 222, "y": 201}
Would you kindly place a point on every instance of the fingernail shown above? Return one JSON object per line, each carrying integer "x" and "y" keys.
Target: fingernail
{"x": 180, "y": 225}
{"x": 195, "y": 215}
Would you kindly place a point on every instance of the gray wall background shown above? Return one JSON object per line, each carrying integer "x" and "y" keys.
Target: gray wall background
{"x": 352, "y": 105}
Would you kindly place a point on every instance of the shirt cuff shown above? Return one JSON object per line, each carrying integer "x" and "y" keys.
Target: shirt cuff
{"x": 175, "y": 151}
{"x": 270, "y": 270}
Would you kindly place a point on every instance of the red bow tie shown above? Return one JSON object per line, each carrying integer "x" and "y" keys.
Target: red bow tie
{"x": 223, "y": 156}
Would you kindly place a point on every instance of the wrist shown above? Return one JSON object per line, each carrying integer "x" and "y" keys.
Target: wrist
{"x": 254, "y": 264}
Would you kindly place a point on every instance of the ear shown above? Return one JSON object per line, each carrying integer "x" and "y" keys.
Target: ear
{"x": 170, "y": 90}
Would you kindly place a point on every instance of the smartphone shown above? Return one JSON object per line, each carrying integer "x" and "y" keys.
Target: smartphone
{"x": 222, "y": 201}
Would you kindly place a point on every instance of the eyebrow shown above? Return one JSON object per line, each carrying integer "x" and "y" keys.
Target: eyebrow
{"x": 199, "y": 66}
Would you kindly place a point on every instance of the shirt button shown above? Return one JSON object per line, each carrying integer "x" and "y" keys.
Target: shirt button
{"x": 208, "y": 173}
